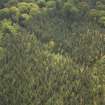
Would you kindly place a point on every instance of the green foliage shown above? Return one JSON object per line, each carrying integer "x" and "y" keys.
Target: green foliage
{"x": 21, "y": 13}
{"x": 99, "y": 77}
{"x": 102, "y": 20}
{"x": 69, "y": 7}
{"x": 51, "y": 4}
{"x": 24, "y": 18}
{"x": 83, "y": 6}
{"x": 8, "y": 27}
{"x": 4, "y": 13}
{"x": 52, "y": 52}
{"x": 32, "y": 76}
{"x": 41, "y": 3}
{"x": 2, "y": 52}
{"x": 99, "y": 12}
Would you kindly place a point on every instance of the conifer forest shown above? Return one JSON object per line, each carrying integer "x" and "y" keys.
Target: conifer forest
{"x": 52, "y": 52}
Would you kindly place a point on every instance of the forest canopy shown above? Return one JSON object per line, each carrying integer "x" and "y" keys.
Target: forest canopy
{"x": 52, "y": 52}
